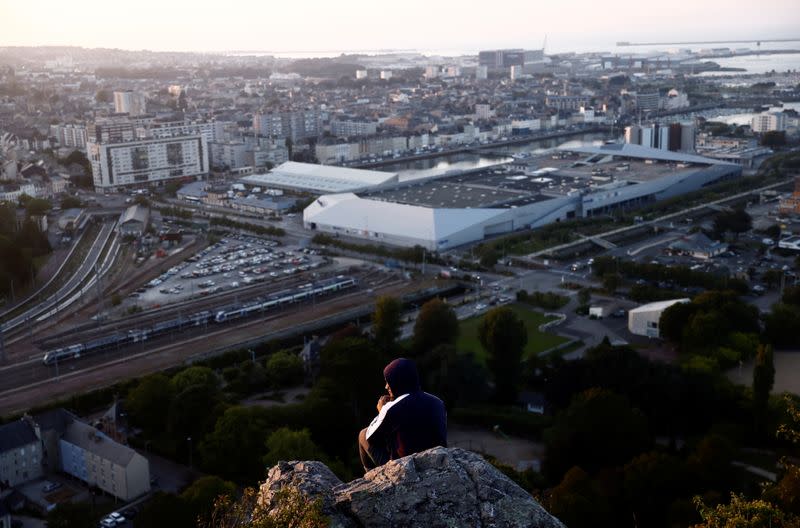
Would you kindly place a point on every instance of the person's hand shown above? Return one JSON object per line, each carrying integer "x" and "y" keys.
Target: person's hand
{"x": 383, "y": 400}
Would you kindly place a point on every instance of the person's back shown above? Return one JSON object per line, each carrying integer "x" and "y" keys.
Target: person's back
{"x": 409, "y": 420}
{"x": 420, "y": 422}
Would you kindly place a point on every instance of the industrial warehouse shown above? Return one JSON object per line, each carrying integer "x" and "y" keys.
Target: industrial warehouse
{"x": 447, "y": 212}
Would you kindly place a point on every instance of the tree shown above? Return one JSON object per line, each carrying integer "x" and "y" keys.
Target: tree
{"x": 763, "y": 380}
{"x": 147, "y": 401}
{"x": 584, "y": 296}
{"x": 436, "y": 324}
{"x": 489, "y": 258}
{"x": 164, "y": 510}
{"x": 192, "y": 413}
{"x": 611, "y": 282}
{"x": 171, "y": 188}
{"x": 503, "y": 335}
{"x": 737, "y": 221}
{"x": 37, "y": 206}
{"x": 285, "y": 444}
{"x": 351, "y": 376}
{"x": 780, "y": 326}
{"x": 236, "y": 444}
{"x": 284, "y": 369}
{"x": 598, "y": 429}
{"x": 773, "y": 138}
{"x": 104, "y": 96}
{"x": 70, "y": 202}
{"x": 651, "y": 481}
{"x": 71, "y": 515}
{"x": 674, "y": 319}
{"x": 387, "y": 323}
{"x": 202, "y": 493}
{"x": 791, "y": 295}
{"x": 194, "y": 376}
{"x": 740, "y": 513}
{"x": 458, "y": 379}
{"x": 576, "y": 502}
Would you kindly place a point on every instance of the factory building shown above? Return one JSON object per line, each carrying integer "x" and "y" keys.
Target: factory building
{"x": 451, "y": 211}
{"x": 319, "y": 179}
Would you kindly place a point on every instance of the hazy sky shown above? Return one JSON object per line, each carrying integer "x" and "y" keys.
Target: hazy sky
{"x": 287, "y": 25}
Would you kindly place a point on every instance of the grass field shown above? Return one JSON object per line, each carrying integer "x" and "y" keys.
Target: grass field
{"x": 537, "y": 341}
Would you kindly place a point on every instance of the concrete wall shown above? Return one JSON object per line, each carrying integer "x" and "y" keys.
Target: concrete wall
{"x": 644, "y": 323}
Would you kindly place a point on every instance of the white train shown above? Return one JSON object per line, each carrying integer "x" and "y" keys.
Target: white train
{"x": 227, "y": 313}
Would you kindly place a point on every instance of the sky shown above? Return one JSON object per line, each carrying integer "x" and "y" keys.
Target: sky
{"x": 319, "y": 25}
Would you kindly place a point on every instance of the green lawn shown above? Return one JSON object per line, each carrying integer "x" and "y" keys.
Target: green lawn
{"x": 537, "y": 341}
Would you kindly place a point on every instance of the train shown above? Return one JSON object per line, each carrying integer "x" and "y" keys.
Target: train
{"x": 218, "y": 316}
{"x": 299, "y": 294}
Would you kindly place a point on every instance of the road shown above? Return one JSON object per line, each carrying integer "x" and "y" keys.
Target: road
{"x": 679, "y": 215}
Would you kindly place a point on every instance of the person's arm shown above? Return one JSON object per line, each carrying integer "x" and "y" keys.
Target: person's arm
{"x": 380, "y": 425}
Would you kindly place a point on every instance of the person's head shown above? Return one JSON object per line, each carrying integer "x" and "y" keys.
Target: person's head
{"x": 401, "y": 377}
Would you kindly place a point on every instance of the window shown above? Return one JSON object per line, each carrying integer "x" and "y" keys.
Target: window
{"x": 139, "y": 158}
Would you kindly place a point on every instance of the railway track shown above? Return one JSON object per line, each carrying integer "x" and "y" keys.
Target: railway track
{"x": 35, "y": 314}
{"x": 188, "y": 307}
{"x": 33, "y": 383}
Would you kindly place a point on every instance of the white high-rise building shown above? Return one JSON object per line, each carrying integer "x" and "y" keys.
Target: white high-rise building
{"x": 147, "y": 161}
{"x": 769, "y": 122}
{"x": 483, "y": 111}
{"x": 361, "y": 74}
{"x": 130, "y": 102}
{"x": 482, "y": 73}
{"x": 386, "y": 74}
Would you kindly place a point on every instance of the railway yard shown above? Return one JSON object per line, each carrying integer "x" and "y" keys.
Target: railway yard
{"x": 236, "y": 292}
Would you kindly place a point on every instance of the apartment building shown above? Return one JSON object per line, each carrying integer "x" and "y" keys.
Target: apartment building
{"x": 768, "y": 122}
{"x": 20, "y": 453}
{"x": 353, "y": 128}
{"x": 147, "y": 161}
{"x": 130, "y": 102}
{"x": 96, "y": 459}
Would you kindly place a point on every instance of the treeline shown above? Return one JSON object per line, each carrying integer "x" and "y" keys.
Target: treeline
{"x": 414, "y": 254}
{"x": 546, "y": 300}
{"x": 176, "y": 212}
{"x": 682, "y": 276}
{"x": 639, "y": 443}
{"x": 543, "y": 237}
{"x": 323, "y": 67}
{"x": 21, "y": 243}
{"x": 255, "y": 228}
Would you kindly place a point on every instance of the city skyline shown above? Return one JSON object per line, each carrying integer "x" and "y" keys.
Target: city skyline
{"x": 354, "y": 25}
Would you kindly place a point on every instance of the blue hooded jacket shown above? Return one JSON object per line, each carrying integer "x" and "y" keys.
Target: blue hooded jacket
{"x": 415, "y": 420}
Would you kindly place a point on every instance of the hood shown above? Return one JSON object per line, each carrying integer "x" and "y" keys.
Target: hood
{"x": 401, "y": 375}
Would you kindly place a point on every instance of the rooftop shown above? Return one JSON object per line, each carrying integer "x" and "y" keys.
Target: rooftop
{"x": 16, "y": 434}
{"x": 656, "y": 306}
{"x": 90, "y": 439}
{"x": 320, "y": 178}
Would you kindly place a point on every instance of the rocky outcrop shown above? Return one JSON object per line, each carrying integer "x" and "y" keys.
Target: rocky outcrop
{"x": 435, "y": 488}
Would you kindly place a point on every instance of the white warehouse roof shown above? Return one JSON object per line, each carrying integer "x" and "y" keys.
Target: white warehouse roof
{"x": 657, "y": 306}
{"x": 428, "y": 227}
{"x": 321, "y": 179}
{"x": 629, "y": 150}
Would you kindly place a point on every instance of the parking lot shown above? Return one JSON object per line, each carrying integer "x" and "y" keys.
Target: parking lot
{"x": 233, "y": 262}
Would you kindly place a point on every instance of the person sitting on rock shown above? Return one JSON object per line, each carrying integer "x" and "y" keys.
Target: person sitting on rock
{"x": 409, "y": 420}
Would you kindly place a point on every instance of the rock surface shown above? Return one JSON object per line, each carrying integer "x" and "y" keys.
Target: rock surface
{"x": 435, "y": 488}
